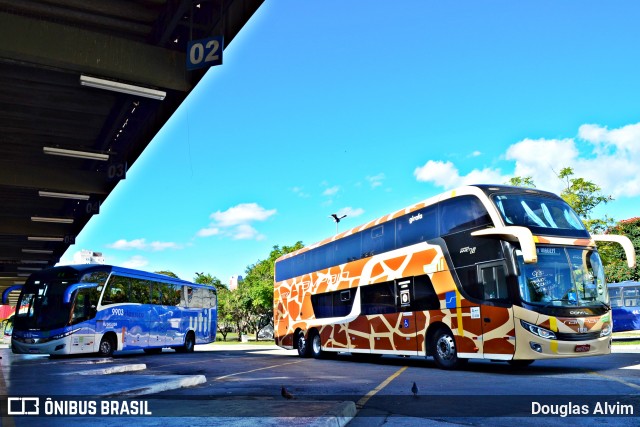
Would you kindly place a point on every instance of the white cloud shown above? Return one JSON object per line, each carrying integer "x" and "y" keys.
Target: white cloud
{"x": 241, "y": 214}
{"x": 142, "y": 245}
{"x": 445, "y": 174}
{"x": 300, "y": 192}
{"x": 236, "y": 222}
{"x": 376, "y": 180}
{"x": 331, "y": 191}
{"x": 209, "y": 231}
{"x": 476, "y": 153}
{"x": 609, "y": 158}
{"x": 350, "y": 212}
{"x": 136, "y": 261}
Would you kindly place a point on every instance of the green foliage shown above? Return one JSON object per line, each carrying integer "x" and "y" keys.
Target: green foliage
{"x": 522, "y": 181}
{"x": 582, "y": 195}
{"x": 250, "y": 306}
{"x": 168, "y": 273}
{"x": 616, "y": 269}
{"x": 257, "y": 287}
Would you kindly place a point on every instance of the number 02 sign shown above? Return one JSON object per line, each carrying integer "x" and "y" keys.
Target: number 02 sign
{"x": 205, "y": 52}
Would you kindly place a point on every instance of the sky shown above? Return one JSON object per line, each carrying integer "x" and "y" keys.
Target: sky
{"x": 365, "y": 107}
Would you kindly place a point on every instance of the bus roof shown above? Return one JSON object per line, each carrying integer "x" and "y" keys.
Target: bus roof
{"x": 88, "y": 268}
{"x": 623, "y": 284}
{"x": 475, "y": 189}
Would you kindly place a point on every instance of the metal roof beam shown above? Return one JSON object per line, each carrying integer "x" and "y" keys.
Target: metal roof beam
{"x": 52, "y": 45}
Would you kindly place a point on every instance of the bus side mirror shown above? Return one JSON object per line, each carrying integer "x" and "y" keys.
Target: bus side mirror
{"x": 623, "y": 241}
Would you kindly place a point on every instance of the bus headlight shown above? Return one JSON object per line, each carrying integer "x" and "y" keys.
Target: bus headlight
{"x": 537, "y": 330}
{"x": 606, "y": 330}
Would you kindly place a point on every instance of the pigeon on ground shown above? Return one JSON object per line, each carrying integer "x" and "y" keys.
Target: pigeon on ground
{"x": 414, "y": 389}
{"x": 286, "y": 394}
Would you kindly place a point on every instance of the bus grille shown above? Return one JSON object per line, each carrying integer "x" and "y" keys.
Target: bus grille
{"x": 562, "y": 336}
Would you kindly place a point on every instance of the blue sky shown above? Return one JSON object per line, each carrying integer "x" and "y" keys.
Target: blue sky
{"x": 365, "y": 107}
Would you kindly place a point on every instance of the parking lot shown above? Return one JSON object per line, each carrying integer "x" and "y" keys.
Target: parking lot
{"x": 236, "y": 384}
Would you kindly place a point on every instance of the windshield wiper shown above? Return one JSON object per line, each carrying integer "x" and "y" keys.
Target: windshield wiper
{"x": 550, "y": 302}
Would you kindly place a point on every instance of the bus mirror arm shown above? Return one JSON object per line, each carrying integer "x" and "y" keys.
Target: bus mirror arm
{"x": 623, "y": 241}
{"x": 522, "y": 235}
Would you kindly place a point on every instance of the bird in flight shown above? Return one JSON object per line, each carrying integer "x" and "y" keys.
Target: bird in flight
{"x": 337, "y": 218}
{"x": 414, "y": 389}
{"x": 284, "y": 393}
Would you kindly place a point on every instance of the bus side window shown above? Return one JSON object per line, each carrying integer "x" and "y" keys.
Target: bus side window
{"x": 424, "y": 295}
{"x": 117, "y": 291}
{"x": 462, "y": 213}
{"x": 378, "y": 298}
{"x": 493, "y": 281}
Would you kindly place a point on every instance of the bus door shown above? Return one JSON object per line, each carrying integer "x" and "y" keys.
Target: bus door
{"x": 498, "y": 333}
{"x": 405, "y": 334}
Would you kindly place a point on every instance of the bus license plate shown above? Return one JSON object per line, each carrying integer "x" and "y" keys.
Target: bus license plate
{"x": 581, "y": 348}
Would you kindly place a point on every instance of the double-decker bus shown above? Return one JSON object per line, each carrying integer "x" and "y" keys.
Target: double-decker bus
{"x": 102, "y": 309}
{"x": 483, "y": 271}
{"x": 625, "y": 306}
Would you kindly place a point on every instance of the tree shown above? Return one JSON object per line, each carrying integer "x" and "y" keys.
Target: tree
{"x": 168, "y": 273}
{"x": 224, "y": 308}
{"x": 584, "y": 196}
{"x": 616, "y": 269}
{"x": 522, "y": 181}
{"x": 257, "y": 288}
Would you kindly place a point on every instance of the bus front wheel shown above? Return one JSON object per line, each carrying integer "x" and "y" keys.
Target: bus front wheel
{"x": 316, "y": 346}
{"x": 107, "y": 346}
{"x": 444, "y": 351}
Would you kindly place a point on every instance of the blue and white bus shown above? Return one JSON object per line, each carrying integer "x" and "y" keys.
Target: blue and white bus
{"x": 625, "y": 306}
{"x": 102, "y": 309}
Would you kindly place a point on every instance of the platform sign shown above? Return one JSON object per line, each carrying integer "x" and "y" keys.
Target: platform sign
{"x": 204, "y": 52}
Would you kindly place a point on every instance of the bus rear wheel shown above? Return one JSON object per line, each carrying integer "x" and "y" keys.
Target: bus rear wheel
{"x": 304, "y": 349}
{"x": 189, "y": 344}
{"x": 444, "y": 351}
{"x": 107, "y": 346}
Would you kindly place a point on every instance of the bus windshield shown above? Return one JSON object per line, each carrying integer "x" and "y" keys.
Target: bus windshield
{"x": 42, "y": 301}
{"x": 41, "y": 306}
{"x": 543, "y": 215}
{"x": 563, "y": 277}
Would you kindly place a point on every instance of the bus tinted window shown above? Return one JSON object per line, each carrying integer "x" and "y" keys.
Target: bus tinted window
{"x": 378, "y": 239}
{"x": 416, "y": 227}
{"x": 462, "y": 213}
{"x": 139, "y": 291}
{"x": 424, "y": 295}
{"x": 348, "y": 249}
{"x": 378, "y": 298}
{"x": 117, "y": 291}
{"x": 332, "y": 304}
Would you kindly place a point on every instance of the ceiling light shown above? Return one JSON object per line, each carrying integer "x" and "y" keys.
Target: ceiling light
{"x": 75, "y": 154}
{"x": 37, "y": 251}
{"x": 53, "y": 220}
{"x": 24, "y": 274}
{"x": 122, "y": 87}
{"x": 63, "y": 195}
{"x": 45, "y": 239}
{"x": 34, "y": 261}
{"x": 29, "y": 269}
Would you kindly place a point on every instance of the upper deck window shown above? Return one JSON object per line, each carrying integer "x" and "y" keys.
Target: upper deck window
{"x": 543, "y": 215}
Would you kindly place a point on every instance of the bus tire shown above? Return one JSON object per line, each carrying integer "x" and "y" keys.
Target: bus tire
{"x": 189, "y": 343}
{"x": 444, "y": 351}
{"x": 304, "y": 349}
{"x": 107, "y": 346}
{"x": 316, "y": 346}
